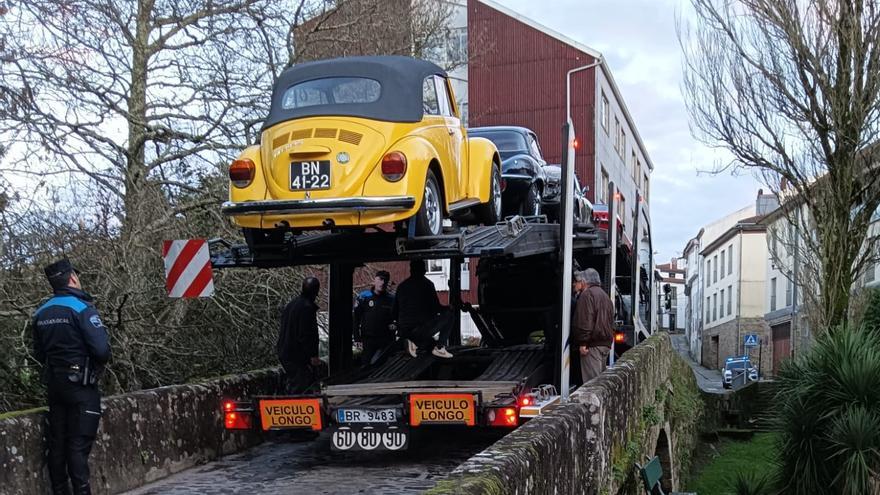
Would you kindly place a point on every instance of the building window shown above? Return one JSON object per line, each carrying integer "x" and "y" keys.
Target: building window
{"x": 729, "y": 300}
{"x": 714, "y": 306}
{"x": 708, "y": 273}
{"x": 456, "y": 47}
{"x": 603, "y": 191}
{"x": 634, "y": 163}
{"x": 617, "y": 132}
{"x": 870, "y": 276}
{"x": 606, "y": 113}
{"x": 788, "y": 292}
{"x": 722, "y": 266}
{"x": 730, "y": 259}
{"x": 708, "y": 309}
{"x": 715, "y": 269}
{"x": 646, "y": 187}
{"x": 773, "y": 294}
{"x": 721, "y": 310}
{"x": 435, "y": 266}
{"x": 622, "y": 144}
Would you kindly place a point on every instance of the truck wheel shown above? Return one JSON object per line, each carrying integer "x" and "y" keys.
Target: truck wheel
{"x": 490, "y": 213}
{"x": 429, "y": 219}
{"x": 531, "y": 203}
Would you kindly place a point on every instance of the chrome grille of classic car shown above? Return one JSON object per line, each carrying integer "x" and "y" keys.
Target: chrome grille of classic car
{"x": 325, "y": 133}
{"x": 350, "y": 137}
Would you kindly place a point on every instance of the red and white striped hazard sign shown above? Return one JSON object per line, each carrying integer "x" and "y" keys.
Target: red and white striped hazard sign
{"x": 188, "y": 268}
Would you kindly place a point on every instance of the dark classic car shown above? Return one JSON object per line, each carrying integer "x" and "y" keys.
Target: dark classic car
{"x": 583, "y": 209}
{"x": 522, "y": 167}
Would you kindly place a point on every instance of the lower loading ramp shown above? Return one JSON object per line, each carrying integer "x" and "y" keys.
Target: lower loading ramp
{"x": 513, "y": 238}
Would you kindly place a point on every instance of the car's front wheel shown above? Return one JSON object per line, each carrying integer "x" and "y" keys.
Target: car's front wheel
{"x": 531, "y": 204}
{"x": 490, "y": 212}
{"x": 429, "y": 219}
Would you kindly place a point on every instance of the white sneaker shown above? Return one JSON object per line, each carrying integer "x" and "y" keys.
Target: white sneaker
{"x": 411, "y": 348}
{"x": 441, "y": 352}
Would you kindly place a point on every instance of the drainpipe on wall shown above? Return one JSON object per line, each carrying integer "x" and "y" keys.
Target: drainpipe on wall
{"x": 739, "y": 341}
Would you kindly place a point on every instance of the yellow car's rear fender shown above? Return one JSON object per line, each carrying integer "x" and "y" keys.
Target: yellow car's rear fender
{"x": 420, "y": 154}
{"x": 483, "y": 156}
{"x": 256, "y": 191}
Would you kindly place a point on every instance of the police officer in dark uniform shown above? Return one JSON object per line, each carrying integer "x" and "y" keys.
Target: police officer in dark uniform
{"x": 73, "y": 345}
{"x": 373, "y": 317}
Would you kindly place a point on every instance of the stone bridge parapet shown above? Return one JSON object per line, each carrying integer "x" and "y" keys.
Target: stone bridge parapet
{"x": 648, "y": 404}
{"x": 144, "y": 435}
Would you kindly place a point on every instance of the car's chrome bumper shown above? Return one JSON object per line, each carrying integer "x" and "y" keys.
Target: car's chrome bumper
{"x": 335, "y": 205}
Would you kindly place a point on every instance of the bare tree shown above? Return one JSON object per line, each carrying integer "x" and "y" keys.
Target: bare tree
{"x": 792, "y": 90}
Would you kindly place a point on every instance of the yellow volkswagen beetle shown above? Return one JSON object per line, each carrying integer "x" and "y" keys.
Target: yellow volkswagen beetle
{"x": 359, "y": 142}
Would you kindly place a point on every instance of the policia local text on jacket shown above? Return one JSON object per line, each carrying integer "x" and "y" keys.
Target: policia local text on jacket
{"x": 73, "y": 345}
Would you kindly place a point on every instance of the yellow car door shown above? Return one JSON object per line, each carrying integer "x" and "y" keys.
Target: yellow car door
{"x": 457, "y": 144}
{"x": 436, "y": 104}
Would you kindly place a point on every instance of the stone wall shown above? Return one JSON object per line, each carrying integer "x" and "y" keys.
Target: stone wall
{"x": 647, "y": 405}
{"x": 730, "y": 343}
{"x": 144, "y": 436}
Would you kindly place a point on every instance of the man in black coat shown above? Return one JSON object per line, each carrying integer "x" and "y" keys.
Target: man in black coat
{"x": 298, "y": 339}
{"x": 72, "y": 344}
{"x": 419, "y": 315}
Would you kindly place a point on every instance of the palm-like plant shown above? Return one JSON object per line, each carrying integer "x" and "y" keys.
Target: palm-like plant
{"x": 828, "y": 416}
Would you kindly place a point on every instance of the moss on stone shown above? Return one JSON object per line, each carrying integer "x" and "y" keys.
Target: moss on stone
{"x": 23, "y": 412}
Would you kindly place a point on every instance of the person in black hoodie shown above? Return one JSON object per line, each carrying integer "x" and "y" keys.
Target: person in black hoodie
{"x": 298, "y": 339}
{"x": 419, "y": 315}
{"x": 72, "y": 344}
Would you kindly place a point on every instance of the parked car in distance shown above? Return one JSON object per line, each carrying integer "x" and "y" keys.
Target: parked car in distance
{"x": 583, "y": 208}
{"x": 522, "y": 167}
{"x": 738, "y": 370}
{"x": 358, "y": 142}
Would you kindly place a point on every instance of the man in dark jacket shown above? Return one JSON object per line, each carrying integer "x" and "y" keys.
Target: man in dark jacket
{"x": 72, "y": 344}
{"x": 592, "y": 330}
{"x": 373, "y": 318}
{"x": 419, "y": 315}
{"x": 298, "y": 339}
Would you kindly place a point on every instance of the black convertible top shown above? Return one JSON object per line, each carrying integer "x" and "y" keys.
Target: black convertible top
{"x": 400, "y": 98}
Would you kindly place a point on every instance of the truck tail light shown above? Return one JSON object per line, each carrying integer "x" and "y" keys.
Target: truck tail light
{"x": 503, "y": 417}
{"x": 237, "y": 415}
{"x": 237, "y": 421}
{"x": 619, "y": 337}
{"x": 393, "y": 166}
{"x": 241, "y": 172}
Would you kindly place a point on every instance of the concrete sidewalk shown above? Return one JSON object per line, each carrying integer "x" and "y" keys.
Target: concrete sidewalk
{"x": 708, "y": 380}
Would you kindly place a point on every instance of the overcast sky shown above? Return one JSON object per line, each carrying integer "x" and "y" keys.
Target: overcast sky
{"x": 638, "y": 40}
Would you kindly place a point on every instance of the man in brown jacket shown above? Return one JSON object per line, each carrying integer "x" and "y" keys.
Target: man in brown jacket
{"x": 592, "y": 330}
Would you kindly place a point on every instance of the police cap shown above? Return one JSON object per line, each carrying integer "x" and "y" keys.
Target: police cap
{"x": 59, "y": 271}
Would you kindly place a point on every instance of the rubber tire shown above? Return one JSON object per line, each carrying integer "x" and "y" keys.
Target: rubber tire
{"x": 532, "y": 200}
{"x": 489, "y": 213}
{"x": 423, "y": 227}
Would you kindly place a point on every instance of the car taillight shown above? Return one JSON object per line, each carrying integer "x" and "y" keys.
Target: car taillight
{"x": 241, "y": 172}
{"x": 504, "y": 417}
{"x": 393, "y": 166}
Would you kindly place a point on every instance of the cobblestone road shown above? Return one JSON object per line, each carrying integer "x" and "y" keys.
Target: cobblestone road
{"x": 280, "y": 467}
